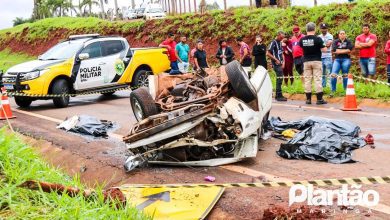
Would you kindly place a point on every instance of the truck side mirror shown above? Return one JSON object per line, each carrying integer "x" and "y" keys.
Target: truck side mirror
{"x": 83, "y": 56}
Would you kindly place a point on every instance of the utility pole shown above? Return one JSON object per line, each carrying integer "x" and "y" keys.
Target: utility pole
{"x": 102, "y": 7}
{"x": 195, "y": 6}
{"x": 116, "y": 9}
{"x": 133, "y": 4}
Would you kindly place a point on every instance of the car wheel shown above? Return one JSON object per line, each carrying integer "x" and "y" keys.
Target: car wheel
{"x": 60, "y": 87}
{"x": 142, "y": 103}
{"x": 108, "y": 93}
{"x": 140, "y": 79}
{"x": 23, "y": 102}
{"x": 240, "y": 82}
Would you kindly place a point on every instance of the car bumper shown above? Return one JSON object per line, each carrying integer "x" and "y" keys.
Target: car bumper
{"x": 34, "y": 86}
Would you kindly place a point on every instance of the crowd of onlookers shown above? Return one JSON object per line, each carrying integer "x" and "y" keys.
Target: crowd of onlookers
{"x": 315, "y": 57}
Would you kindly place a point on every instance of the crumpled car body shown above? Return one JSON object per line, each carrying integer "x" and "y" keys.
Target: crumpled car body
{"x": 207, "y": 119}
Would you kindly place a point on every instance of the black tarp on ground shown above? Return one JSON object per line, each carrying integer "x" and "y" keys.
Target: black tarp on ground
{"x": 85, "y": 124}
{"x": 319, "y": 139}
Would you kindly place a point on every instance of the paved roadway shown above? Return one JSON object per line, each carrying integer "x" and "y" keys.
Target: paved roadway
{"x": 102, "y": 160}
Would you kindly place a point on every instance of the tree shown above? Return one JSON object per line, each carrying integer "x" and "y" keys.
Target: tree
{"x": 20, "y": 20}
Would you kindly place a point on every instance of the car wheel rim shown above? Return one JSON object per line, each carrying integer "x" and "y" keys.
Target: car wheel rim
{"x": 137, "y": 109}
{"x": 143, "y": 80}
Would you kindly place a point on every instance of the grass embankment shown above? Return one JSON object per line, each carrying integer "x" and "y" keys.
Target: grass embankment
{"x": 363, "y": 90}
{"x": 19, "y": 163}
{"x": 9, "y": 59}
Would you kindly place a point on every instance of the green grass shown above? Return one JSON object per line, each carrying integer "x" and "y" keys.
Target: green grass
{"x": 8, "y": 59}
{"x": 362, "y": 89}
{"x": 18, "y": 163}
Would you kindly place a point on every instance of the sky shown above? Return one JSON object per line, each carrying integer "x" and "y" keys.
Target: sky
{"x": 10, "y": 9}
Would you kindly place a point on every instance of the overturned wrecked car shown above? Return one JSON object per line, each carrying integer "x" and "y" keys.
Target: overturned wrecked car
{"x": 207, "y": 119}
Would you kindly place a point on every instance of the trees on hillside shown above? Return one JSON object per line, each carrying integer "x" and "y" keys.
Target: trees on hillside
{"x": 57, "y": 8}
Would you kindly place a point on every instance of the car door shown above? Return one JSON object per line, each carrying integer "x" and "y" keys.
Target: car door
{"x": 113, "y": 52}
{"x": 92, "y": 70}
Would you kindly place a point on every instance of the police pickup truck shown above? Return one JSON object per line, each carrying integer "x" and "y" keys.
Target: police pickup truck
{"x": 83, "y": 64}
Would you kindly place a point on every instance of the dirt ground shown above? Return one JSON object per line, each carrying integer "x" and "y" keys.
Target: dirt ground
{"x": 101, "y": 160}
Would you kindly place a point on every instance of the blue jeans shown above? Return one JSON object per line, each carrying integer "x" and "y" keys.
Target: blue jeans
{"x": 368, "y": 66}
{"x": 388, "y": 73}
{"x": 342, "y": 64}
{"x": 174, "y": 68}
{"x": 326, "y": 69}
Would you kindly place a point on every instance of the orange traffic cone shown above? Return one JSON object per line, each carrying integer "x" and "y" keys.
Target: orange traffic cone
{"x": 350, "y": 103}
{"x": 5, "y": 111}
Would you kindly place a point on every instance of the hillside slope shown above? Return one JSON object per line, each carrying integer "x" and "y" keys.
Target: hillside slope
{"x": 35, "y": 38}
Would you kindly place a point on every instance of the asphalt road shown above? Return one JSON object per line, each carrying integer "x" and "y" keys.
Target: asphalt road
{"x": 102, "y": 160}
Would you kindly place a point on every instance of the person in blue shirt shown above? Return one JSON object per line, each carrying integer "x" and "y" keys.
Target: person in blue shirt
{"x": 182, "y": 53}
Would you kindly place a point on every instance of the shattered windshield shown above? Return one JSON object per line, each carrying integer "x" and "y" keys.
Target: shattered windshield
{"x": 62, "y": 51}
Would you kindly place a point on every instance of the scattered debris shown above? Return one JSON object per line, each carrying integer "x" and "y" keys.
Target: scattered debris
{"x": 207, "y": 119}
{"x": 289, "y": 133}
{"x": 319, "y": 139}
{"x": 369, "y": 139}
{"x": 209, "y": 178}
{"x": 85, "y": 124}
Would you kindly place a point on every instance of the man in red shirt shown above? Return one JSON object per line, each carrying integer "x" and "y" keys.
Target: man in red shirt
{"x": 387, "y": 51}
{"x": 170, "y": 45}
{"x": 297, "y": 51}
{"x": 366, "y": 42}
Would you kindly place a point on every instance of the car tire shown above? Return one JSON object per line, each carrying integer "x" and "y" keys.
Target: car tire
{"x": 140, "y": 79}
{"x": 240, "y": 82}
{"x": 60, "y": 87}
{"x": 142, "y": 103}
{"x": 108, "y": 93}
{"x": 23, "y": 102}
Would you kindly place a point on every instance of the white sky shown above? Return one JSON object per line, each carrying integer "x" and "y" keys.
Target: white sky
{"x": 10, "y": 9}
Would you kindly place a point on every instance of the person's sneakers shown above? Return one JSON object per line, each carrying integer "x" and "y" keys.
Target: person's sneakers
{"x": 320, "y": 100}
{"x": 308, "y": 98}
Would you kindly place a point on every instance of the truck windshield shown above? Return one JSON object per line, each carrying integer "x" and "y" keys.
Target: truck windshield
{"x": 62, "y": 51}
{"x": 155, "y": 10}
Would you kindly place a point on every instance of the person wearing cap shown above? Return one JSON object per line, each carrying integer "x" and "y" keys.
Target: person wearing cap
{"x": 259, "y": 52}
{"x": 170, "y": 45}
{"x": 366, "y": 42}
{"x": 387, "y": 51}
{"x": 341, "y": 48}
{"x": 326, "y": 56}
{"x": 297, "y": 51}
{"x": 245, "y": 54}
{"x": 275, "y": 53}
{"x": 225, "y": 54}
{"x": 200, "y": 57}
{"x": 312, "y": 46}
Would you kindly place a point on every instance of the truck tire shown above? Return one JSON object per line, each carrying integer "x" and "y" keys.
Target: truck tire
{"x": 140, "y": 79}
{"x": 239, "y": 80}
{"x": 23, "y": 102}
{"x": 142, "y": 103}
{"x": 60, "y": 86}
